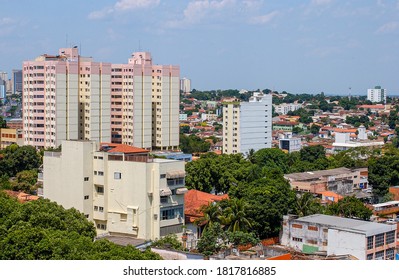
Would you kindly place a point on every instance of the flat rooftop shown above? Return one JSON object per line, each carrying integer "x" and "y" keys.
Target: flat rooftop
{"x": 353, "y": 225}
{"x": 312, "y": 175}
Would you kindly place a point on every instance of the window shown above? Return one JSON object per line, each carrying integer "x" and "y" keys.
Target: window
{"x": 164, "y": 199}
{"x": 117, "y": 175}
{"x": 95, "y": 172}
{"x": 379, "y": 240}
{"x": 100, "y": 173}
{"x": 370, "y": 256}
{"x": 296, "y": 226}
{"x": 171, "y": 212}
{"x": 87, "y": 216}
{"x": 390, "y": 238}
{"x": 297, "y": 239}
{"x": 379, "y": 255}
{"x": 86, "y": 179}
{"x": 123, "y": 217}
{"x": 102, "y": 226}
{"x": 163, "y": 176}
{"x": 313, "y": 228}
{"x": 370, "y": 242}
{"x": 86, "y": 197}
{"x": 100, "y": 189}
{"x": 101, "y": 209}
{"x": 389, "y": 254}
{"x": 95, "y": 208}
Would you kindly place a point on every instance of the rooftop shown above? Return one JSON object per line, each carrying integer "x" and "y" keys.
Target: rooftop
{"x": 312, "y": 175}
{"x": 365, "y": 227}
{"x": 121, "y": 148}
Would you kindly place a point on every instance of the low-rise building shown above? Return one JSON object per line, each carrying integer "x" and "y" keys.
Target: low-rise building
{"x": 122, "y": 189}
{"x": 9, "y": 136}
{"x": 338, "y": 236}
{"x": 339, "y": 180}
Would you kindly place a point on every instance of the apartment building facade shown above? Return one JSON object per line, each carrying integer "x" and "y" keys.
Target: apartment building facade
{"x": 68, "y": 96}
{"x": 118, "y": 187}
{"x": 65, "y": 96}
{"x": 377, "y": 94}
{"x": 247, "y": 125}
{"x": 340, "y": 236}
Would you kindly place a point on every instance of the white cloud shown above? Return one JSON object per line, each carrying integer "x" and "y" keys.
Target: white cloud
{"x": 123, "y": 5}
{"x": 6, "y": 21}
{"x": 264, "y": 18}
{"x": 200, "y": 9}
{"x": 388, "y": 27}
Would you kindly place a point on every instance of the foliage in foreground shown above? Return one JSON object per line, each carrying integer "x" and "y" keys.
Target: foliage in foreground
{"x": 43, "y": 230}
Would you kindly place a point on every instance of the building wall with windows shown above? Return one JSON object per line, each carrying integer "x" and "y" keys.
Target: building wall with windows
{"x": 9, "y": 136}
{"x": 377, "y": 94}
{"x": 65, "y": 96}
{"x": 247, "y": 125}
{"x": 120, "y": 188}
{"x": 340, "y": 236}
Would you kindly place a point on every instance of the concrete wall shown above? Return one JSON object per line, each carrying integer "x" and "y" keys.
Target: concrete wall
{"x": 344, "y": 242}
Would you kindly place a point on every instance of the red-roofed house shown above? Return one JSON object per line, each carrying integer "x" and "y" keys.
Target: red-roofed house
{"x": 194, "y": 200}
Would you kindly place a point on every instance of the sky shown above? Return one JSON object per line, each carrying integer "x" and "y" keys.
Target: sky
{"x": 309, "y": 46}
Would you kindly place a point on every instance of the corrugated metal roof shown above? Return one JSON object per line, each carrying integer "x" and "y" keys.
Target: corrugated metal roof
{"x": 368, "y": 228}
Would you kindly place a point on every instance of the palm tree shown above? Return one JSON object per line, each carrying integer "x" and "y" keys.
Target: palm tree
{"x": 307, "y": 204}
{"x": 235, "y": 216}
{"x": 212, "y": 213}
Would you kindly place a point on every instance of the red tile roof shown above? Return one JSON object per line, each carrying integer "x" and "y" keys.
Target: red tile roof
{"x": 378, "y": 106}
{"x": 122, "y": 148}
{"x": 194, "y": 200}
{"x": 21, "y": 196}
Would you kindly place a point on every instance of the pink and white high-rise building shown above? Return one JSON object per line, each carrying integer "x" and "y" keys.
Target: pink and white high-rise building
{"x": 65, "y": 97}
{"x": 145, "y": 103}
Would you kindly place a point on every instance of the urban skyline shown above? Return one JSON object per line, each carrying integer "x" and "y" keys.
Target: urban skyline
{"x": 306, "y": 47}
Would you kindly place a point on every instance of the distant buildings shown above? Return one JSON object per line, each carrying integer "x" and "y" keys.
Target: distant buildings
{"x": 16, "y": 81}
{"x": 338, "y": 236}
{"x": 120, "y": 188}
{"x": 290, "y": 144}
{"x": 9, "y": 136}
{"x": 343, "y": 141}
{"x": 247, "y": 125}
{"x": 67, "y": 96}
{"x": 339, "y": 180}
{"x": 377, "y": 94}
{"x": 284, "y": 108}
{"x": 185, "y": 86}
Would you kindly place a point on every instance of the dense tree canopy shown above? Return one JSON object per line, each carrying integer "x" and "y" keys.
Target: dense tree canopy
{"x": 43, "y": 230}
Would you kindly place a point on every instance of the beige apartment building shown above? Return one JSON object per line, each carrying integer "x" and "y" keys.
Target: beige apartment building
{"x": 120, "y": 188}
{"x": 9, "y": 136}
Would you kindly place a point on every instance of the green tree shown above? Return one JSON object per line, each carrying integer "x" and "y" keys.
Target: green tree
{"x": 43, "y": 230}
{"x": 307, "y": 204}
{"x": 25, "y": 181}
{"x": 235, "y": 216}
{"x": 350, "y": 207}
{"x": 167, "y": 242}
{"x": 212, "y": 240}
